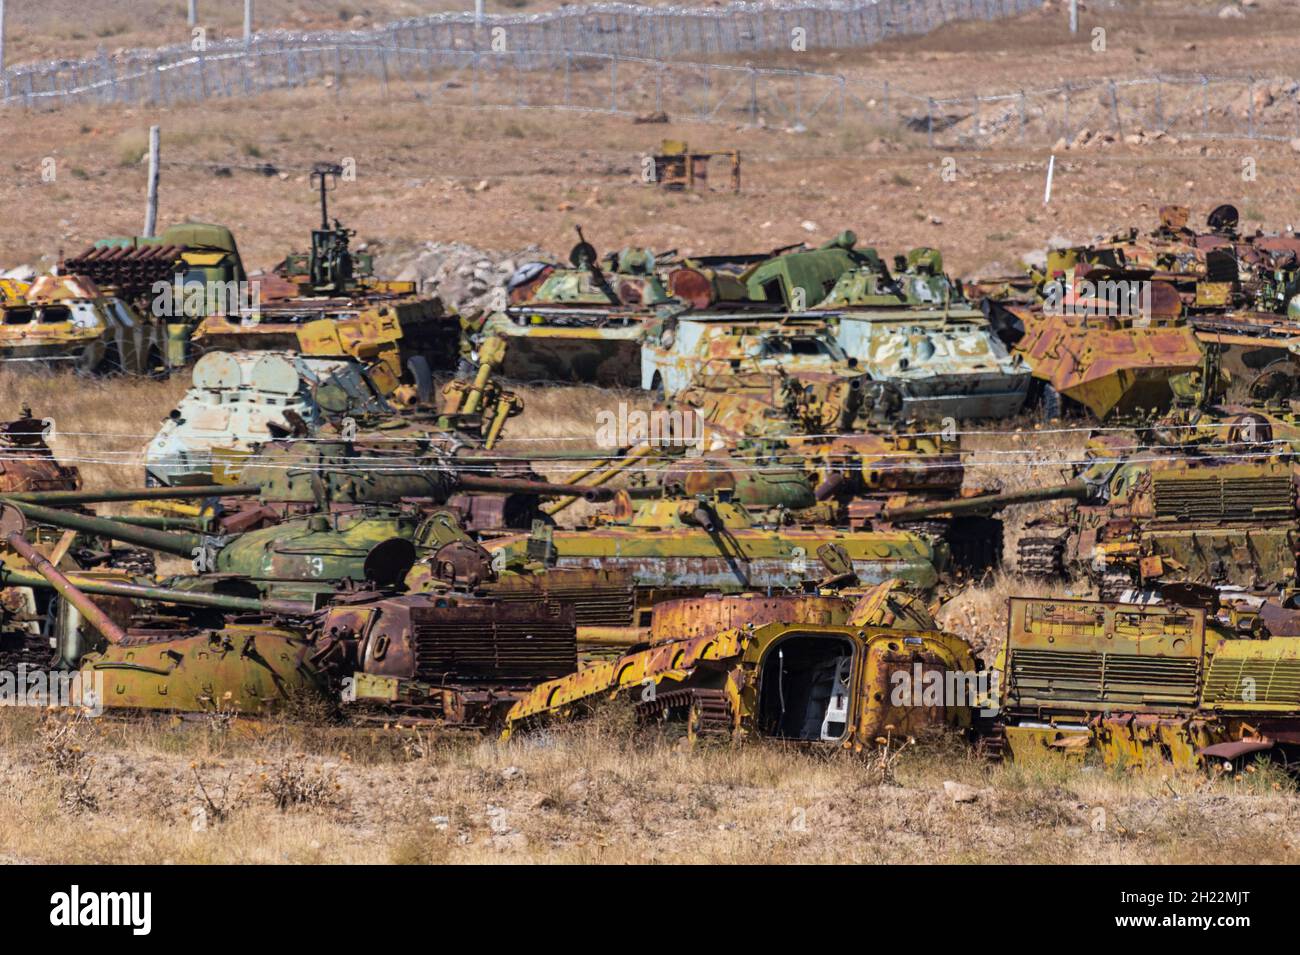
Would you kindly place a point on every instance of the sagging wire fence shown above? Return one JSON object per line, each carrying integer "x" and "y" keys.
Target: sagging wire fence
{"x": 1084, "y": 113}
{"x": 271, "y": 60}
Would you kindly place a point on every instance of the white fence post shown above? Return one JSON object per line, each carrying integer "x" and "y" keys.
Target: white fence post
{"x": 151, "y": 201}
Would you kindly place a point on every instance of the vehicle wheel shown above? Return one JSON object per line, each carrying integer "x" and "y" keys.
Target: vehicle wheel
{"x": 657, "y": 387}
{"x": 1050, "y": 404}
{"x": 111, "y": 364}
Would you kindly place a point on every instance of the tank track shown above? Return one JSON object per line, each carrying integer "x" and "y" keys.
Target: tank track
{"x": 708, "y": 712}
{"x": 993, "y": 744}
{"x": 25, "y": 649}
{"x": 1041, "y": 554}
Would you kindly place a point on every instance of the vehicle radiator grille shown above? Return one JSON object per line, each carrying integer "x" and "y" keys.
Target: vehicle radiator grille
{"x": 1213, "y": 498}
{"x": 1253, "y": 681}
{"x": 516, "y": 642}
{"x": 1047, "y": 676}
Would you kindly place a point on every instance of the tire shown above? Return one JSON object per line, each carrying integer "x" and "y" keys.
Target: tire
{"x": 1050, "y": 405}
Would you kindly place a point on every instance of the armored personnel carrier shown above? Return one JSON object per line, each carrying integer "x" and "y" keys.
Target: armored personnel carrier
{"x": 241, "y": 399}
{"x": 66, "y": 321}
{"x": 914, "y": 333}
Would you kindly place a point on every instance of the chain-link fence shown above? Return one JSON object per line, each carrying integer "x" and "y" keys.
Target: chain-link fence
{"x": 536, "y": 42}
{"x": 628, "y": 60}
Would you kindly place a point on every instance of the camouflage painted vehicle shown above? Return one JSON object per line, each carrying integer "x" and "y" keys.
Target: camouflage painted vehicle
{"x": 860, "y": 461}
{"x": 713, "y": 544}
{"x": 1187, "y": 680}
{"x": 581, "y": 323}
{"x": 1222, "y": 515}
{"x": 451, "y": 657}
{"x": 812, "y": 671}
{"x": 915, "y": 334}
{"x": 192, "y": 281}
{"x": 685, "y": 350}
{"x": 65, "y": 321}
{"x": 1090, "y": 352}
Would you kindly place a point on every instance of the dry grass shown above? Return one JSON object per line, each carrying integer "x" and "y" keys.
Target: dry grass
{"x": 101, "y": 425}
{"x": 603, "y": 791}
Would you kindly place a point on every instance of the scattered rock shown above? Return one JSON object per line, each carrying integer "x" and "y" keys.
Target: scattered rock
{"x": 960, "y": 792}
{"x": 808, "y": 225}
{"x": 1231, "y": 13}
{"x": 659, "y": 117}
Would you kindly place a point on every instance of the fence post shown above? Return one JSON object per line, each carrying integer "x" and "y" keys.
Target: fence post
{"x": 248, "y": 22}
{"x": 1114, "y": 107}
{"x": 192, "y": 13}
{"x": 151, "y": 197}
{"x": 1205, "y": 103}
{"x": 929, "y": 122}
{"x": 1250, "y": 107}
{"x": 753, "y": 96}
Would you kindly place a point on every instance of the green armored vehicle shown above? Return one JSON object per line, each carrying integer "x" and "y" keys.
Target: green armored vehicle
{"x": 914, "y": 332}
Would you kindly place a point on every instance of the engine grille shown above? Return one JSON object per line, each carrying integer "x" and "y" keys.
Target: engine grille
{"x": 599, "y": 598}
{"x": 1222, "y": 497}
{"x": 1053, "y": 676}
{"x": 1253, "y": 681}
{"x": 518, "y": 642}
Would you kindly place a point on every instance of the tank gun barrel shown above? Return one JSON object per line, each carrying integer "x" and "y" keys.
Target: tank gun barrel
{"x": 987, "y": 503}
{"x": 168, "y": 542}
{"x": 482, "y": 482}
{"x": 65, "y": 498}
{"x": 115, "y": 588}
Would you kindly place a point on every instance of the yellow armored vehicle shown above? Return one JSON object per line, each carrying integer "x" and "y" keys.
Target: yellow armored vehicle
{"x": 812, "y": 671}
{"x": 66, "y": 321}
{"x": 1177, "y": 682}
{"x": 712, "y": 543}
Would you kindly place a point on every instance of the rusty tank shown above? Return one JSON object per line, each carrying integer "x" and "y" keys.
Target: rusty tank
{"x": 1219, "y": 513}
{"x": 824, "y": 676}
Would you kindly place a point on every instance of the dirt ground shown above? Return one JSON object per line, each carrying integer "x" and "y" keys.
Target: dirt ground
{"x": 508, "y": 179}
{"x": 601, "y": 791}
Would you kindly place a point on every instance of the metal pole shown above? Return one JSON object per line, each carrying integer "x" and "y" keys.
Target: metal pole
{"x": 151, "y": 204}
{"x": 89, "y": 609}
{"x": 1074, "y": 16}
{"x": 248, "y": 21}
{"x": 192, "y": 13}
{"x": 2, "y": 40}
{"x": 478, "y": 13}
